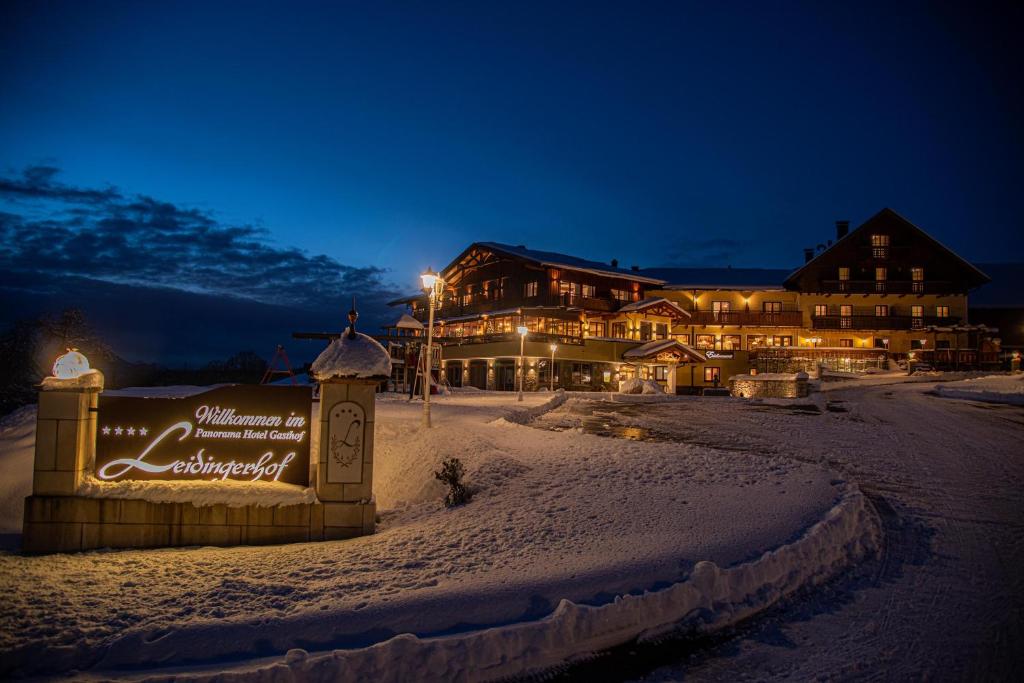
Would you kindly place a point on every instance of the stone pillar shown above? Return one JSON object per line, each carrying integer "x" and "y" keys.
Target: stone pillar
{"x": 671, "y": 374}
{"x": 344, "y": 472}
{"x": 65, "y": 439}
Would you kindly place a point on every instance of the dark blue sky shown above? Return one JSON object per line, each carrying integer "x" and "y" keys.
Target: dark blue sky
{"x": 392, "y": 136}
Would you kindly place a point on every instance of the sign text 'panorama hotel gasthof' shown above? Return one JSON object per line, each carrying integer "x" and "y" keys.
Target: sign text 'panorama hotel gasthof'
{"x": 243, "y": 433}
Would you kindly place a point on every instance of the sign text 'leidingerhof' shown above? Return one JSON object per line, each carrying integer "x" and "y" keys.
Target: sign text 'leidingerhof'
{"x": 246, "y": 433}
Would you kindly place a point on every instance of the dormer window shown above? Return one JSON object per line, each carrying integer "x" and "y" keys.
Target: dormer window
{"x": 880, "y": 246}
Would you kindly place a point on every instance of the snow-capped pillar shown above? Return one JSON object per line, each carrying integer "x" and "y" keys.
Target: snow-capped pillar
{"x": 349, "y": 370}
{"x": 66, "y": 426}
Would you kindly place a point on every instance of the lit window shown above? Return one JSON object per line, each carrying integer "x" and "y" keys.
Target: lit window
{"x": 660, "y": 373}
{"x": 712, "y": 375}
{"x": 730, "y": 342}
{"x": 916, "y": 311}
{"x": 598, "y": 329}
{"x": 846, "y": 343}
{"x": 530, "y": 290}
{"x": 942, "y": 311}
{"x": 705, "y": 341}
{"x": 844, "y": 273}
{"x": 820, "y": 310}
{"x": 880, "y": 246}
{"x": 917, "y": 275}
{"x": 620, "y": 295}
{"x": 589, "y": 291}
{"x": 881, "y": 274}
{"x": 619, "y": 330}
{"x": 882, "y": 310}
{"x": 771, "y": 306}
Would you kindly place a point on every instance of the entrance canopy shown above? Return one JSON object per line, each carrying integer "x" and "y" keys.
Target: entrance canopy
{"x": 664, "y": 351}
{"x": 657, "y": 305}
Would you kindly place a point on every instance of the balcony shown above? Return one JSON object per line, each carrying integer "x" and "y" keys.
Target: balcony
{"x": 877, "y": 322}
{"x": 542, "y": 337}
{"x": 749, "y": 318}
{"x": 887, "y": 286}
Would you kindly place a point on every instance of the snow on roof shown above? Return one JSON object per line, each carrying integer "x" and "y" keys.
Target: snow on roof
{"x": 653, "y": 348}
{"x": 551, "y": 258}
{"x": 720, "y": 278}
{"x": 361, "y": 357}
{"x": 653, "y": 301}
{"x": 407, "y": 322}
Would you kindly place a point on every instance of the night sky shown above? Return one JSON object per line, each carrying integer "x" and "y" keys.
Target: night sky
{"x": 169, "y": 159}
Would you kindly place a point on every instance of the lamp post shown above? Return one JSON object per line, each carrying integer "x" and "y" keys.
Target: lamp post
{"x": 433, "y": 285}
{"x": 551, "y": 370}
{"x": 522, "y": 364}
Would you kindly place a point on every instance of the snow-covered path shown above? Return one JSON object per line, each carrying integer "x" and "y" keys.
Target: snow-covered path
{"x": 946, "y": 599}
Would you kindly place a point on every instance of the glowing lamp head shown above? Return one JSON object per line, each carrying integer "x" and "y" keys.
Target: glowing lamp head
{"x": 522, "y": 330}
{"x": 429, "y": 279}
{"x": 554, "y": 347}
{"x": 70, "y": 365}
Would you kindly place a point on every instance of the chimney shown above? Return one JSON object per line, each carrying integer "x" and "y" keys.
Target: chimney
{"x": 634, "y": 268}
{"x": 842, "y": 228}
{"x": 808, "y": 254}
{"x": 615, "y": 263}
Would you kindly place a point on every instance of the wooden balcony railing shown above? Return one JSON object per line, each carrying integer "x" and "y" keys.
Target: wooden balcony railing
{"x": 877, "y": 322}
{"x": 887, "y": 286}
{"x": 752, "y": 318}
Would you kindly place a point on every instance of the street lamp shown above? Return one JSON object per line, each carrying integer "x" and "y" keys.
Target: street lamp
{"x": 522, "y": 364}
{"x": 551, "y": 370}
{"x": 433, "y": 285}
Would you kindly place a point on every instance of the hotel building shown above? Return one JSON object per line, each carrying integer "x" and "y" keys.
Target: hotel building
{"x": 884, "y": 291}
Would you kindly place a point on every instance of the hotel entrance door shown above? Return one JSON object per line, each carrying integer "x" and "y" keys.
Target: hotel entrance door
{"x": 478, "y": 374}
{"x": 505, "y": 375}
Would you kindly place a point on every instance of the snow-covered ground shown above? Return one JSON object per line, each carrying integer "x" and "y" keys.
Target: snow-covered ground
{"x": 561, "y": 524}
{"x": 945, "y": 599}
{"x": 991, "y": 389}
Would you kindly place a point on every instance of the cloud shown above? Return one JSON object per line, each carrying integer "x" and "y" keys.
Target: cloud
{"x": 167, "y": 282}
{"x": 107, "y": 235}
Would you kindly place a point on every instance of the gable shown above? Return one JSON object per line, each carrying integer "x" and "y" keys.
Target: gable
{"x": 899, "y": 246}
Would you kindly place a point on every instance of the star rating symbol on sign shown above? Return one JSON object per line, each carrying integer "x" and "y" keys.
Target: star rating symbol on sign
{"x": 131, "y": 431}
{"x": 143, "y": 431}
{"x": 106, "y": 431}
{"x": 118, "y": 431}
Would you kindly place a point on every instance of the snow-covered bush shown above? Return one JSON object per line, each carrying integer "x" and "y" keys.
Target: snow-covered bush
{"x": 651, "y": 387}
{"x": 631, "y": 386}
{"x": 451, "y": 474}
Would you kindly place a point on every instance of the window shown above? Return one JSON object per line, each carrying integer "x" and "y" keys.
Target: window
{"x": 705, "y": 341}
{"x": 589, "y": 291}
{"x": 820, "y": 310}
{"x": 844, "y": 279}
{"x": 916, "y": 344}
{"x": 660, "y": 373}
{"x": 730, "y": 342}
{"x": 619, "y": 330}
{"x": 530, "y": 290}
{"x": 882, "y": 311}
{"x": 917, "y": 275}
{"x": 846, "y": 343}
{"x": 598, "y": 329}
{"x": 756, "y": 340}
{"x": 844, "y": 273}
{"x": 880, "y": 246}
{"x": 916, "y": 317}
{"x": 881, "y": 273}
{"x": 568, "y": 291}
{"x": 581, "y": 373}
{"x": 845, "y": 316}
{"x": 771, "y": 306}
{"x": 645, "y": 331}
{"x": 682, "y": 338}
{"x": 712, "y": 375}
{"x": 620, "y": 295}
{"x": 661, "y": 331}
{"x": 719, "y": 307}
{"x": 942, "y": 311}
{"x": 782, "y": 340}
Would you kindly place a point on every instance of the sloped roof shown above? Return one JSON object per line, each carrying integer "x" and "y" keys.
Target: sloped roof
{"x": 887, "y": 212}
{"x": 654, "y": 301}
{"x": 407, "y": 322}
{"x": 556, "y": 260}
{"x": 653, "y": 348}
{"x": 719, "y": 278}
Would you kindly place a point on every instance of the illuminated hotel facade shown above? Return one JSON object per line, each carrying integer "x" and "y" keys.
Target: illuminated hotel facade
{"x": 884, "y": 291}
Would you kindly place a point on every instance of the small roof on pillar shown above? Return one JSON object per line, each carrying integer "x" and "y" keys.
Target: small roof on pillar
{"x": 667, "y": 350}
{"x": 407, "y": 322}
{"x": 656, "y": 305}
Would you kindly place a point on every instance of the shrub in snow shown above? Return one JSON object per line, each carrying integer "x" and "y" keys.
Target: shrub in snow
{"x": 451, "y": 474}
{"x": 631, "y": 386}
{"x": 651, "y": 387}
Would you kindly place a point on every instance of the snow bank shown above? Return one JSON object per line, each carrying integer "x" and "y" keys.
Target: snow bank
{"x": 634, "y": 385}
{"x": 361, "y": 357}
{"x": 991, "y": 389}
{"x": 17, "y": 455}
{"x": 710, "y": 599}
{"x": 651, "y": 387}
{"x": 527, "y": 415}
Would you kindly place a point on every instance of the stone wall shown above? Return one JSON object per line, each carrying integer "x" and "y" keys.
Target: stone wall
{"x": 74, "y": 523}
{"x": 756, "y": 386}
